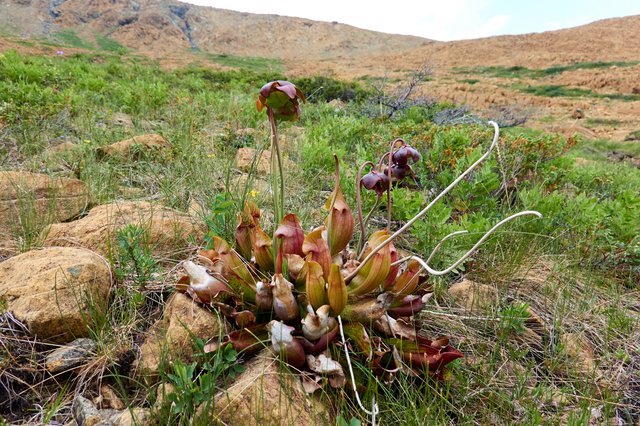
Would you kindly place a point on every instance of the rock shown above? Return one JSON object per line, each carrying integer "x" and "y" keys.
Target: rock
{"x": 168, "y": 230}
{"x": 84, "y": 412}
{"x": 123, "y": 120}
{"x": 33, "y": 199}
{"x": 536, "y": 323}
{"x": 49, "y": 290}
{"x": 474, "y": 297}
{"x": 531, "y": 339}
{"x": 262, "y": 165}
{"x": 267, "y": 393}
{"x": 132, "y": 148}
{"x": 164, "y": 389}
{"x": 110, "y": 399}
{"x": 579, "y": 352}
{"x": 578, "y": 114}
{"x": 633, "y": 136}
{"x": 172, "y": 337}
{"x": 70, "y": 356}
{"x": 134, "y": 417}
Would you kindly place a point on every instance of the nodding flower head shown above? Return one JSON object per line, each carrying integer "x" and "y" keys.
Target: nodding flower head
{"x": 282, "y": 98}
{"x": 377, "y": 181}
{"x": 403, "y": 154}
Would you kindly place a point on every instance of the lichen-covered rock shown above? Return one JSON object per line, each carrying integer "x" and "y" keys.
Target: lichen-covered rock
{"x": 167, "y": 229}
{"x": 267, "y": 393}
{"x": 70, "y": 356}
{"x": 34, "y": 199}
{"x": 84, "y": 412}
{"x": 173, "y": 336}
{"x": 130, "y": 148}
{"x": 55, "y": 291}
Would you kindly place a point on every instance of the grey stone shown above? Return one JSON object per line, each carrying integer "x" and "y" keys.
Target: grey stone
{"x": 68, "y": 357}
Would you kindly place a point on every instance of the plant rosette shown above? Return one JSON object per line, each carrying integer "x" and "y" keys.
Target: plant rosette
{"x": 302, "y": 294}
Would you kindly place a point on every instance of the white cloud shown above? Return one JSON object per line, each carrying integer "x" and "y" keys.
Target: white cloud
{"x": 434, "y": 19}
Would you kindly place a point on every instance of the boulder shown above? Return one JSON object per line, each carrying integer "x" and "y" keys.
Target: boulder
{"x": 246, "y": 157}
{"x": 172, "y": 337}
{"x": 267, "y": 393}
{"x": 473, "y": 297}
{"x": 55, "y": 291}
{"x": 70, "y": 356}
{"x": 29, "y": 200}
{"x": 131, "y": 148}
{"x": 168, "y": 230}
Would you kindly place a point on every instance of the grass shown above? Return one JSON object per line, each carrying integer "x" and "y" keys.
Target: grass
{"x": 245, "y": 62}
{"x": 108, "y": 44}
{"x": 554, "y": 91}
{"x": 577, "y": 269}
{"x": 609, "y": 122}
{"x": 70, "y": 38}
{"x": 519, "y": 72}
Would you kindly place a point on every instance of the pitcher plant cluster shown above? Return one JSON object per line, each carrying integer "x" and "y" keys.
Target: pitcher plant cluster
{"x": 310, "y": 295}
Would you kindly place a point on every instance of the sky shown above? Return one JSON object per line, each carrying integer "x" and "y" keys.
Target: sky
{"x": 442, "y": 19}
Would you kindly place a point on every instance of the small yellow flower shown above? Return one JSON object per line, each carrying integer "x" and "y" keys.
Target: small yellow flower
{"x": 253, "y": 193}
{"x": 86, "y": 141}
{"x": 212, "y": 155}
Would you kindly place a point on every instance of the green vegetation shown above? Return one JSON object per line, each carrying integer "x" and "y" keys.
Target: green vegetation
{"x": 609, "y": 122}
{"x": 108, "y": 44}
{"x": 553, "y": 90}
{"x": 70, "y": 38}
{"x": 245, "y": 62}
{"x": 537, "y": 73}
{"x": 578, "y": 268}
{"x": 469, "y": 80}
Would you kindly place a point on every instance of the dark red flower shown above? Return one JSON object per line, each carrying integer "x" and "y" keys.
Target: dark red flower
{"x": 403, "y": 154}
{"x": 379, "y": 182}
{"x": 282, "y": 98}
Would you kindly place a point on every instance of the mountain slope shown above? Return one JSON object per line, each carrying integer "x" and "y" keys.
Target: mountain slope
{"x": 179, "y": 33}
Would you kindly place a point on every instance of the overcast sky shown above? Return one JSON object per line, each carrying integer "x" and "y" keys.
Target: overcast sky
{"x": 442, "y": 19}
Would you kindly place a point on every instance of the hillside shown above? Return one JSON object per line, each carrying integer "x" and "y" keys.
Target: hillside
{"x": 176, "y": 33}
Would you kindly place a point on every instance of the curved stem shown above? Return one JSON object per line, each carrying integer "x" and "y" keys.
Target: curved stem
{"x": 359, "y": 202}
{"x": 374, "y": 408}
{"x": 391, "y": 149}
{"x": 437, "y": 247}
{"x": 475, "y": 246}
{"x": 413, "y": 220}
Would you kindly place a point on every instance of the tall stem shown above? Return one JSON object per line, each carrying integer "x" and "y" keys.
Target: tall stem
{"x": 413, "y": 220}
{"x": 393, "y": 147}
{"x": 359, "y": 203}
{"x": 276, "y": 163}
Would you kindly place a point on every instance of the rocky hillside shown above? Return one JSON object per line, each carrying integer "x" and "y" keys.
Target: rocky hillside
{"x": 600, "y": 78}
